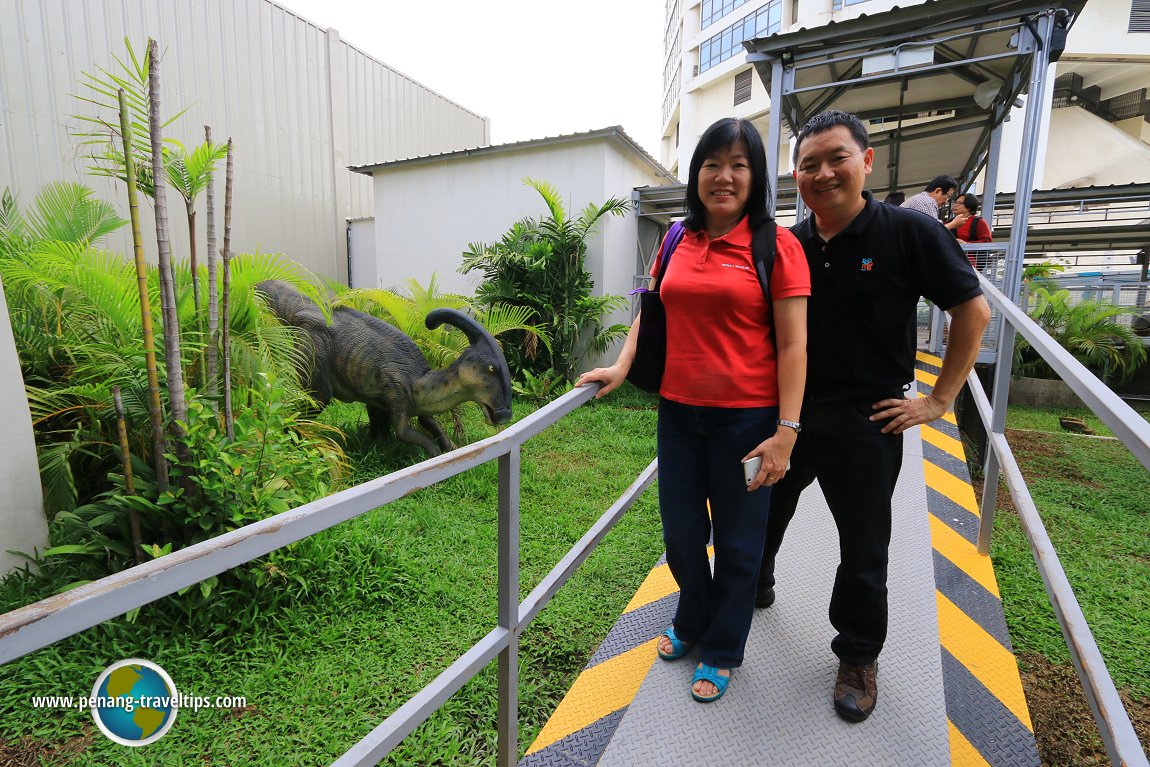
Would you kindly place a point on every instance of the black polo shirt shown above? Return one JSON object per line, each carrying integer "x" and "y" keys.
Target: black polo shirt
{"x": 865, "y": 286}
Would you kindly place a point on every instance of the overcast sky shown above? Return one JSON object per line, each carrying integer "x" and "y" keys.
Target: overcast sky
{"x": 535, "y": 67}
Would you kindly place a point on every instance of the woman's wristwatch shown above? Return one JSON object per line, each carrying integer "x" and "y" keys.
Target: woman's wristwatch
{"x": 791, "y": 425}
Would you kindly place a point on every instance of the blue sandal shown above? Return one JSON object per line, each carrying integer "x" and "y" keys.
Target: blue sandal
{"x": 705, "y": 673}
{"x": 679, "y": 648}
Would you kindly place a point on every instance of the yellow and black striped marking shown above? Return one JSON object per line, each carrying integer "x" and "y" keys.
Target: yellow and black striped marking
{"x": 987, "y": 717}
{"x": 986, "y": 710}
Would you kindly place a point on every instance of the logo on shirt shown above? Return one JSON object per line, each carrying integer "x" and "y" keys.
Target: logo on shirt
{"x": 738, "y": 266}
{"x": 866, "y": 265}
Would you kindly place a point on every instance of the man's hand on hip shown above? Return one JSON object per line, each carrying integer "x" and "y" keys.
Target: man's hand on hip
{"x": 905, "y": 413}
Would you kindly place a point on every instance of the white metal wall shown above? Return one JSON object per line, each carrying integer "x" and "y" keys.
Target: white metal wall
{"x": 300, "y": 104}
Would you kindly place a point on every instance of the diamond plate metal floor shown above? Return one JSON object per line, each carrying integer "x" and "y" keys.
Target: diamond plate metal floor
{"x": 778, "y": 708}
{"x": 949, "y": 688}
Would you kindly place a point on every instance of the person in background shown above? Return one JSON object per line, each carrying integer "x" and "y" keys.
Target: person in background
{"x": 895, "y": 198}
{"x": 933, "y": 196}
{"x": 967, "y": 225}
{"x": 730, "y": 392}
{"x": 869, "y": 264}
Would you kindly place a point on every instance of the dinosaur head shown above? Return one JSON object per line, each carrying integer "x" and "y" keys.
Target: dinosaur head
{"x": 481, "y": 370}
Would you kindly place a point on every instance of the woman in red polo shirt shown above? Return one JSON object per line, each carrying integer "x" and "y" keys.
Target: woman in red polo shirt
{"x": 732, "y": 390}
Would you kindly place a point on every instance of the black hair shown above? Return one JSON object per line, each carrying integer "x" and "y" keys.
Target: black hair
{"x": 944, "y": 182}
{"x": 895, "y": 198}
{"x": 971, "y": 202}
{"x": 724, "y": 134}
{"x": 824, "y": 121}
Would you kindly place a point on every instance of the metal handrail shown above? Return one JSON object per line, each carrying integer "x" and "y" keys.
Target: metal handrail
{"x": 1110, "y": 715}
{"x": 50, "y": 620}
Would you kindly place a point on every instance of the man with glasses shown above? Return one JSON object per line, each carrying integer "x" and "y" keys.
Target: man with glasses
{"x": 869, "y": 264}
{"x": 933, "y": 196}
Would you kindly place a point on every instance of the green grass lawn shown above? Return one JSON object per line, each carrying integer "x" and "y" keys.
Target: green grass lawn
{"x": 1092, "y": 496}
{"x": 362, "y": 616}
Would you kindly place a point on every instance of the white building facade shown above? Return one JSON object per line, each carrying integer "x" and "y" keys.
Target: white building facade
{"x": 429, "y": 209}
{"x": 1104, "y": 72}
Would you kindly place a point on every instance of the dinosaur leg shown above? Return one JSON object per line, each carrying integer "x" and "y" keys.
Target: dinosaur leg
{"x": 378, "y": 419}
{"x": 402, "y": 425}
{"x": 431, "y": 424}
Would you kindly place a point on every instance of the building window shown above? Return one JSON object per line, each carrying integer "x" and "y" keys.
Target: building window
{"x": 1139, "y": 16}
{"x": 743, "y": 87}
{"x": 838, "y": 5}
{"x": 713, "y": 10}
{"x": 725, "y": 44}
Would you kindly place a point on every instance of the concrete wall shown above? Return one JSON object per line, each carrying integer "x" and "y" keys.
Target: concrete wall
{"x": 22, "y": 523}
{"x": 1115, "y": 157}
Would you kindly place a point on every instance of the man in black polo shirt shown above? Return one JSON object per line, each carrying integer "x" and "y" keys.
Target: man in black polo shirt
{"x": 869, "y": 264}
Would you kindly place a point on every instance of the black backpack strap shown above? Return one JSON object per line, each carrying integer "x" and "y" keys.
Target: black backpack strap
{"x": 763, "y": 246}
{"x": 763, "y": 243}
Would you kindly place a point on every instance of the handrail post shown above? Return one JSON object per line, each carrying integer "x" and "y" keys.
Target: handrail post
{"x": 508, "y": 725}
{"x": 1000, "y": 394}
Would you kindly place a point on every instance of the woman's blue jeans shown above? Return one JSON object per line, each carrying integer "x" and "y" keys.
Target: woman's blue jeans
{"x": 700, "y": 450}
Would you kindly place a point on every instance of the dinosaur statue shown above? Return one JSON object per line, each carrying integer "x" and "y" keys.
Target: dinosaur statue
{"x": 358, "y": 358}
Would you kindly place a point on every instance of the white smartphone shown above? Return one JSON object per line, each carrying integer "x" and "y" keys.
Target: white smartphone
{"x": 751, "y": 468}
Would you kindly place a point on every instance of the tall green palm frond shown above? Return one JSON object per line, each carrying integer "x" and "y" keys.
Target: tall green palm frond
{"x": 14, "y": 236}
{"x": 550, "y": 197}
{"x": 104, "y": 132}
{"x": 66, "y": 211}
{"x": 188, "y": 173}
{"x": 250, "y": 269}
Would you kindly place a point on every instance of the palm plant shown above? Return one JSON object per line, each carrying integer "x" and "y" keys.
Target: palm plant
{"x": 539, "y": 265}
{"x": 77, "y": 320}
{"x": 406, "y": 310}
{"x": 103, "y": 134}
{"x": 177, "y": 399}
{"x": 1088, "y": 331}
{"x": 189, "y": 173}
{"x": 155, "y": 407}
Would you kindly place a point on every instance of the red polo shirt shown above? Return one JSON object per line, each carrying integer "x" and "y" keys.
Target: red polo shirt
{"x": 719, "y": 350}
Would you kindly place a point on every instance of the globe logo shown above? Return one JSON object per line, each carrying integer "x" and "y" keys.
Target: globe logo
{"x": 134, "y": 702}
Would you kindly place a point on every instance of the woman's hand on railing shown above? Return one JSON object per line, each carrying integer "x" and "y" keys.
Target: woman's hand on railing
{"x": 611, "y": 378}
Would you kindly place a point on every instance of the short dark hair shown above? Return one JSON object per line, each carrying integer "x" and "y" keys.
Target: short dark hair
{"x": 895, "y": 198}
{"x": 945, "y": 183}
{"x": 825, "y": 121}
{"x": 971, "y": 202}
{"x": 724, "y": 134}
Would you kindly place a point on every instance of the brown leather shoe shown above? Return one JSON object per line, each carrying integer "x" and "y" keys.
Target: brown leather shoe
{"x": 856, "y": 690}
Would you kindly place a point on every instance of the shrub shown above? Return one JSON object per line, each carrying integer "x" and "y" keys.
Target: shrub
{"x": 539, "y": 264}
{"x": 1088, "y": 331}
{"x": 276, "y": 461}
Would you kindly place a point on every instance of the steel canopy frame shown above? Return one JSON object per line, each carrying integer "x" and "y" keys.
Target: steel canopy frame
{"x": 1003, "y": 46}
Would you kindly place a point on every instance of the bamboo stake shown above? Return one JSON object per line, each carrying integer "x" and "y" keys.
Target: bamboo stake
{"x": 226, "y": 303}
{"x": 172, "y": 356}
{"x": 213, "y": 289}
{"x": 129, "y": 480}
{"x": 155, "y": 407}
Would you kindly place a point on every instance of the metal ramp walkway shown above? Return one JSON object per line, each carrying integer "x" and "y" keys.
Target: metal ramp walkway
{"x": 949, "y": 690}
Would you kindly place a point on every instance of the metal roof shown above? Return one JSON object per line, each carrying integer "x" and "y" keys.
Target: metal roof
{"x": 614, "y": 133}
